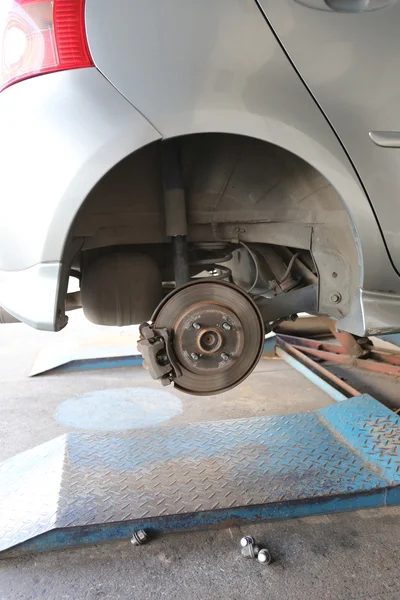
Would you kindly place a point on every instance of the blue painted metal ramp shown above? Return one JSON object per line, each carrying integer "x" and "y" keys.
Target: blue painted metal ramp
{"x": 87, "y": 487}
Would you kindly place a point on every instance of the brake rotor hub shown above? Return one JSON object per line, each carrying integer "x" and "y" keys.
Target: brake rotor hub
{"x": 206, "y": 337}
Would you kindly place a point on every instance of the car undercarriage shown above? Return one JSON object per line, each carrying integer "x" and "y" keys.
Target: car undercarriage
{"x": 214, "y": 268}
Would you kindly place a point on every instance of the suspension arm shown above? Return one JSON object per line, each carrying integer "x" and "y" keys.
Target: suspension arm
{"x": 285, "y": 305}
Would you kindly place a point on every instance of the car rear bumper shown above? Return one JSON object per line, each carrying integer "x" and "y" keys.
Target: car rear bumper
{"x": 31, "y": 295}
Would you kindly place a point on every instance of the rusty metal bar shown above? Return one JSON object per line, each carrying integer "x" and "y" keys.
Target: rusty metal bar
{"x": 345, "y": 359}
{"x": 379, "y": 356}
{"x": 377, "y": 367}
{"x": 349, "y": 342}
{"x": 318, "y": 345}
{"x": 373, "y": 359}
{"x": 315, "y": 367}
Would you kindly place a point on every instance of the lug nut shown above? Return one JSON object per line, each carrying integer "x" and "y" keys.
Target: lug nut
{"x": 246, "y": 541}
{"x": 226, "y": 326}
{"x": 139, "y": 538}
{"x": 224, "y": 356}
{"x": 196, "y": 326}
{"x": 250, "y": 551}
{"x": 264, "y": 556}
{"x": 194, "y": 356}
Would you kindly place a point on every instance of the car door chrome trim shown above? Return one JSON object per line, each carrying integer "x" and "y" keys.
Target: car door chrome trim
{"x": 387, "y": 139}
{"x": 346, "y": 6}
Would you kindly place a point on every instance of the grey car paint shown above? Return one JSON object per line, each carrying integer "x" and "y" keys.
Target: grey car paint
{"x": 79, "y": 127}
{"x": 350, "y": 61}
{"x": 32, "y": 294}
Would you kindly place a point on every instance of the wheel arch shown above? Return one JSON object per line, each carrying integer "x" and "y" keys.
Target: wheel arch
{"x": 137, "y": 178}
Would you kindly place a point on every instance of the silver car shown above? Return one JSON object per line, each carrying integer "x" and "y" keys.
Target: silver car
{"x": 207, "y": 168}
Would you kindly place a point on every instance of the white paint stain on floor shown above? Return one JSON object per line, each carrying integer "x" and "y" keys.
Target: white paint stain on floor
{"x": 118, "y": 409}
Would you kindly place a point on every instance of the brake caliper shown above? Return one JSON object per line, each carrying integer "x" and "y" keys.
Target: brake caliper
{"x": 158, "y": 355}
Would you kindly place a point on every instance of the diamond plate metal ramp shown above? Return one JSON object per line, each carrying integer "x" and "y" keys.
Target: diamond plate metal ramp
{"x": 88, "y": 487}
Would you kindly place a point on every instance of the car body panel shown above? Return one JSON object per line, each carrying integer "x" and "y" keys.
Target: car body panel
{"x": 60, "y": 133}
{"x": 372, "y": 313}
{"x": 31, "y": 295}
{"x": 350, "y": 62}
{"x": 216, "y": 66}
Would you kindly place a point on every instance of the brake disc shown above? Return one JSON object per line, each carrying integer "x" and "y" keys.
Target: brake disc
{"x": 216, "y": 334}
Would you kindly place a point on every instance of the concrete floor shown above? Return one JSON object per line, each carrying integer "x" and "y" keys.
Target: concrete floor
{"x": 344, "y": 557}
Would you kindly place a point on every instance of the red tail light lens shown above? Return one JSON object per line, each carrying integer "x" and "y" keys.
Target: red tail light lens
{"x": 39, "y": 36}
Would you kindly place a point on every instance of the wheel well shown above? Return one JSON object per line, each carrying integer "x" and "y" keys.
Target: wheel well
{"x": 237, "y": 189}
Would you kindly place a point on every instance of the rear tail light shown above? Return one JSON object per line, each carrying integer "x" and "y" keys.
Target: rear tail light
{"x": 39, "y": 36}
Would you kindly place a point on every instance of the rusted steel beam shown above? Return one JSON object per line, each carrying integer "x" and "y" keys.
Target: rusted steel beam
{"x": 311, "y": 364}
{"x": 344, "y": 359}
{"x": 386, "y": 357}
{"x": 300, "y": 342}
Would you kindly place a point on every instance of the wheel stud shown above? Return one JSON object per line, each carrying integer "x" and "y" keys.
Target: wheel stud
{"x": 194, "y": 356}
{"x": 226, "y": 326}
{"x": 196, "y": 326}
{"x": 224, "y": 356}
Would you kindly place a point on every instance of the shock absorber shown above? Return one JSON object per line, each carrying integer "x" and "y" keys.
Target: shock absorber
{"x": 175, "y": 209}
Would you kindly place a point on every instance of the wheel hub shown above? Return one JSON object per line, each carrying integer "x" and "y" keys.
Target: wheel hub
{"x": 206, "y": 337}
